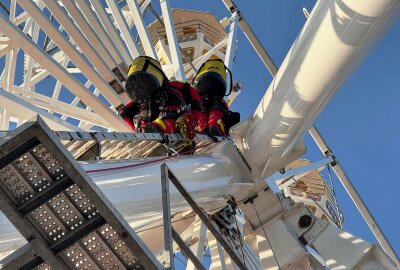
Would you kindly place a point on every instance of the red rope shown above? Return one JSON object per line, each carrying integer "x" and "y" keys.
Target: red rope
{"x": 147, "y": 162}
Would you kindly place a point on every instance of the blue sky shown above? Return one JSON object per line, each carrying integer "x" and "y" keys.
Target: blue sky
{"x": 361, "y": 123}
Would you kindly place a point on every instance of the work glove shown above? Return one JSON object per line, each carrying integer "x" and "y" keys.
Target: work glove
{"x": 186, "y": 125}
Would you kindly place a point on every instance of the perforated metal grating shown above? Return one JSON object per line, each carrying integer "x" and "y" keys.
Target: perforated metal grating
{"x": 67, "y": 221}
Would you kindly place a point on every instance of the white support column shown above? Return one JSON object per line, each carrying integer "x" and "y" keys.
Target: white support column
{"x": 10, "y": 64}
{"x": 266, "y": 254}
{"x": 109, "y": 27}
{"x": 199, "y": 231}
{"x": 93, "y": 50}
{"x": 172, "y": 40}
{"x": 217, "y": 253}
{"x": 71, "y": 52}
{"x": 34, "y": 33}
{"x": 21, "y": 40}
{"x": 142, "y": 29}
{"x": 57, "y": 87}
{"x": 123, "y": 28}
{"x": 5, "y": 46}
{"x": 231, "y": 46}
{"x": 5, "y": 118}
{"x": 94, "y": 22}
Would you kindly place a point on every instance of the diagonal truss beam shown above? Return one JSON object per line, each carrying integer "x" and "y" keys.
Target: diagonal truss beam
{"x": 26, "y": 111}
{"x": 109, "y": 27}
{"x": 87, "y": 30}
{"x": 71, "y": 52}
{"x": 142, "y": 29}
{"x": 255, "y": 42}
{"x": 21, "y": 40}
{"x": 123, "y": 28}
{"x": 104, "y": 63}
{"x": 60, "y": 107}
{"x": 104, "y": 37}
{"x": 172, "y": 40}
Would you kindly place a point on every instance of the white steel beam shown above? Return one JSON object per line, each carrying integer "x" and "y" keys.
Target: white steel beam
{"x": 199, "y": 231}
{"x": 29, "y": 62}
{"x": 5, "y": 46}
{"x": 172, "y": 40}
{"x": 61, "y": 74}
{"x": 21, "y": 18}
{"x": 231, "y": 46}
{"x": 266, "y": 255}
{"x": 43, "y": 73}
{"x": 109, "y": 26}
{"x": 123, "y": 28}
{"x": 255, "y": 42}
{"x": 71, "y": 52}
{"x": 199, "y": 61}
{"x": 9, "y": 68}
{"x": 5, "y": 119}
{"x": 25, "y": 110}
{"x": 142, "y": 29}
{"x": 103, "y": 63}
{"x": 216, "y": 252}
{"x": 84, "y": 26}
{"x": 300, "y": 170}
{"x": 53, "y": 105}
{"x": 356, "y": 198}
{"x": 94, "y": 22}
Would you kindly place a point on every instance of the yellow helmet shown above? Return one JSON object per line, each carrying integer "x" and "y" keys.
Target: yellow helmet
{"x": 210, "y": 80}
{"x": 145, "y": 77}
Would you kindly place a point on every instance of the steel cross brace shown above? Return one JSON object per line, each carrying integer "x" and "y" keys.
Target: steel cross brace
{"x": 299, "y": 171}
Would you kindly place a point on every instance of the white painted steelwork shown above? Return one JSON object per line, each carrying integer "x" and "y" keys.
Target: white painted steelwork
{"x": 333, "y": 40}
{"x": 136, "y": 192}
{"x": 24, "y": 110}
{"x": 22, "y": 41}
{"x": 72, "y": 53}
{"x": 172, "y": 40}
{"x": 231, "y": 47}
{"x": 142, "y": 30}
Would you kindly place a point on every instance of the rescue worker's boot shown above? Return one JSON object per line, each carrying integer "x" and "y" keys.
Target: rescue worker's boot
{"x": 216, "y": 125}
{"x": 165, "y": 126}
{"x": 202, "y": 123}
{"x": 186, "y": 125}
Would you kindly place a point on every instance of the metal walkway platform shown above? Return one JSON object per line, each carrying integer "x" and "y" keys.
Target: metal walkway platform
{"x": 119, "y": 145}
{"x": 122, "y": 145}
{"x": 67, "y": 221}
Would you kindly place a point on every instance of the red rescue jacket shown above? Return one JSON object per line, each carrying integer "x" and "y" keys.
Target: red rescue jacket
{"x": 171, "y": 101}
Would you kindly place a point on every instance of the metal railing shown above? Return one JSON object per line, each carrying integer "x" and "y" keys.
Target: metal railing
{"x": 170, "y": 234}
{"x": 316, "y": 190}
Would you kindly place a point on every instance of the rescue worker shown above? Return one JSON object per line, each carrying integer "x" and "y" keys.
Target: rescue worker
{"x": 159, "y": 105}
{"x": 210, "y": 81}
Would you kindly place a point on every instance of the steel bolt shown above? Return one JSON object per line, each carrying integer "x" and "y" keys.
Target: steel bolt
{"x": 305, "y": 221}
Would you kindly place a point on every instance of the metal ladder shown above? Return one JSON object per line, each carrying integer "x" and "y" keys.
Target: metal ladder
{"x": 66, "y": 220}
